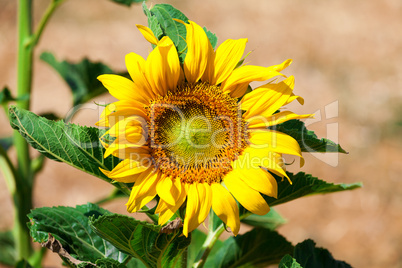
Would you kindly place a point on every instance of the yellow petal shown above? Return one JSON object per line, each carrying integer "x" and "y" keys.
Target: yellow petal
{"x": 135, "y": 153}
{"x": 144, "y": 190}
{"x": 148, "y": 34}
{"x": 168, "y": 190}
{"x": 122, "y": 88}
{"x": 225, "y": 207}
{"x": 275, "y": 141}
{"x": 199, "y": 50}
{"x": 282, "y": 66}
{"x": 248, "y": 197}
{"x": 260, "y": 180}
{"x": 163, "y": 67}
{"x": 261, "y": 121}
{"x": 104, "y": 117}
{"x": 192, "y": 210}
{"x": 267, "y": 99}
{"x": 227, "y": 57}
{"x": 136, "y": 68}
{"x": 126, "y": 168}
{"x": 237, "y": 82}
{"x": 294, "y": 97}
{"x": 205, "y": 194}
{"x": 166, "y": 211}
{"x": 121, "y": 110}
{"x": 263, "y": 157}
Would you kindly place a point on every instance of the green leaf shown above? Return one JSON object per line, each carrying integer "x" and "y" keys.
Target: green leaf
{"x": 71, "y": 227}
{"x": 7, "y": 252}
{"x": 259, "y": 247}
{"x": 81, "y": 77}
{"x": 6, "y": 143}
{"x": 289, "y": 262}
{"x": 213, "y": 39}
{"x": 305, "y": 184}
{"x": 75, "y": 145}
{"x": 23, "y": 264}
{"x": 197, "y": 240}
{"x": 160, "y": 21}
{"x": 141, "y": 240}
{"x": 271, "y": 220}
{"x": 109, "y": 263}
{"x": 5, "y": 96}
{"x": 153, "y": 23}
{"x": 135, "y": 263}
{"x": 310, "y": 256}
{"x": 307, "y": 139}
{"x": 127, "y": 2}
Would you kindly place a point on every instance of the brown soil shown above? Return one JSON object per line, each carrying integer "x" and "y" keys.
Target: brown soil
{"x": 347, "y": 57}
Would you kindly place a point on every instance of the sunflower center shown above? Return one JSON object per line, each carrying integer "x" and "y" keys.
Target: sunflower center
{"x": 195, "y": 133}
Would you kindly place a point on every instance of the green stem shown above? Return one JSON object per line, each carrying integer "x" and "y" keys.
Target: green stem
{"x": 209, "y": 243}
{"x": 8, "y": 170}
{"x": 44, "y": 20}
{"x": 23, "y": 181}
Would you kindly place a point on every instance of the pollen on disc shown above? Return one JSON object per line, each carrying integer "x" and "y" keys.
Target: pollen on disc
{"x": 196, "y": 132}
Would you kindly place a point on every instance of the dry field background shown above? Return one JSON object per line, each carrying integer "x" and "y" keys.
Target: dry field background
{"x": 347, "y": 64}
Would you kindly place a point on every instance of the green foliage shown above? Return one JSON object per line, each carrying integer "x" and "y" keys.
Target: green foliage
{"x": 80, "y": 77}
{"x": 109, "y": 263}
{"x": 161, "y": 22}
{"x": 141, "y": 240}
{"x": 6, "y": 143}
{"x": 271, "y": 220}
{"x": 303, "y": 185}
{"x": 197, "y": 240}
{"x": 5, "y": 96}
{"x": 71, "y": 227}
{"x": 289, "y": 262}
{"x": 308, "y": 255}
{"x": 7, "y": 252}
{"x": 23, "y": 264}
{"x": 127, "y": 2}
{"x": 307, "y": 139}
{"x": 259, "y": 247}
{"x": 75, "y": 145}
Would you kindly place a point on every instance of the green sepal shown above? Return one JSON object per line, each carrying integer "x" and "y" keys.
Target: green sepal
{"x": 308, "y": 255}
{"x": 70, "y": 226}
{"x": 307, "y": 139}
{"x": 258, "y": 248}
{"x": 142, "y": 240}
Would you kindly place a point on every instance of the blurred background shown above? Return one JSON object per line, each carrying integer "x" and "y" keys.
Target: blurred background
{"x": 347, "y": 63}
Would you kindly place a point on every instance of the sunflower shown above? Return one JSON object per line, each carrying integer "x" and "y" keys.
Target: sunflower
{"x": 189, "y": 133}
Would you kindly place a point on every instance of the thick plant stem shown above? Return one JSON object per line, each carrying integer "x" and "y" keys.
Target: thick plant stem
{"x": 23, "y": 191}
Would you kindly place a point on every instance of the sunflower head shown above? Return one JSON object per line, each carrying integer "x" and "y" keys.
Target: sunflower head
{"x": 184, "y": 134}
